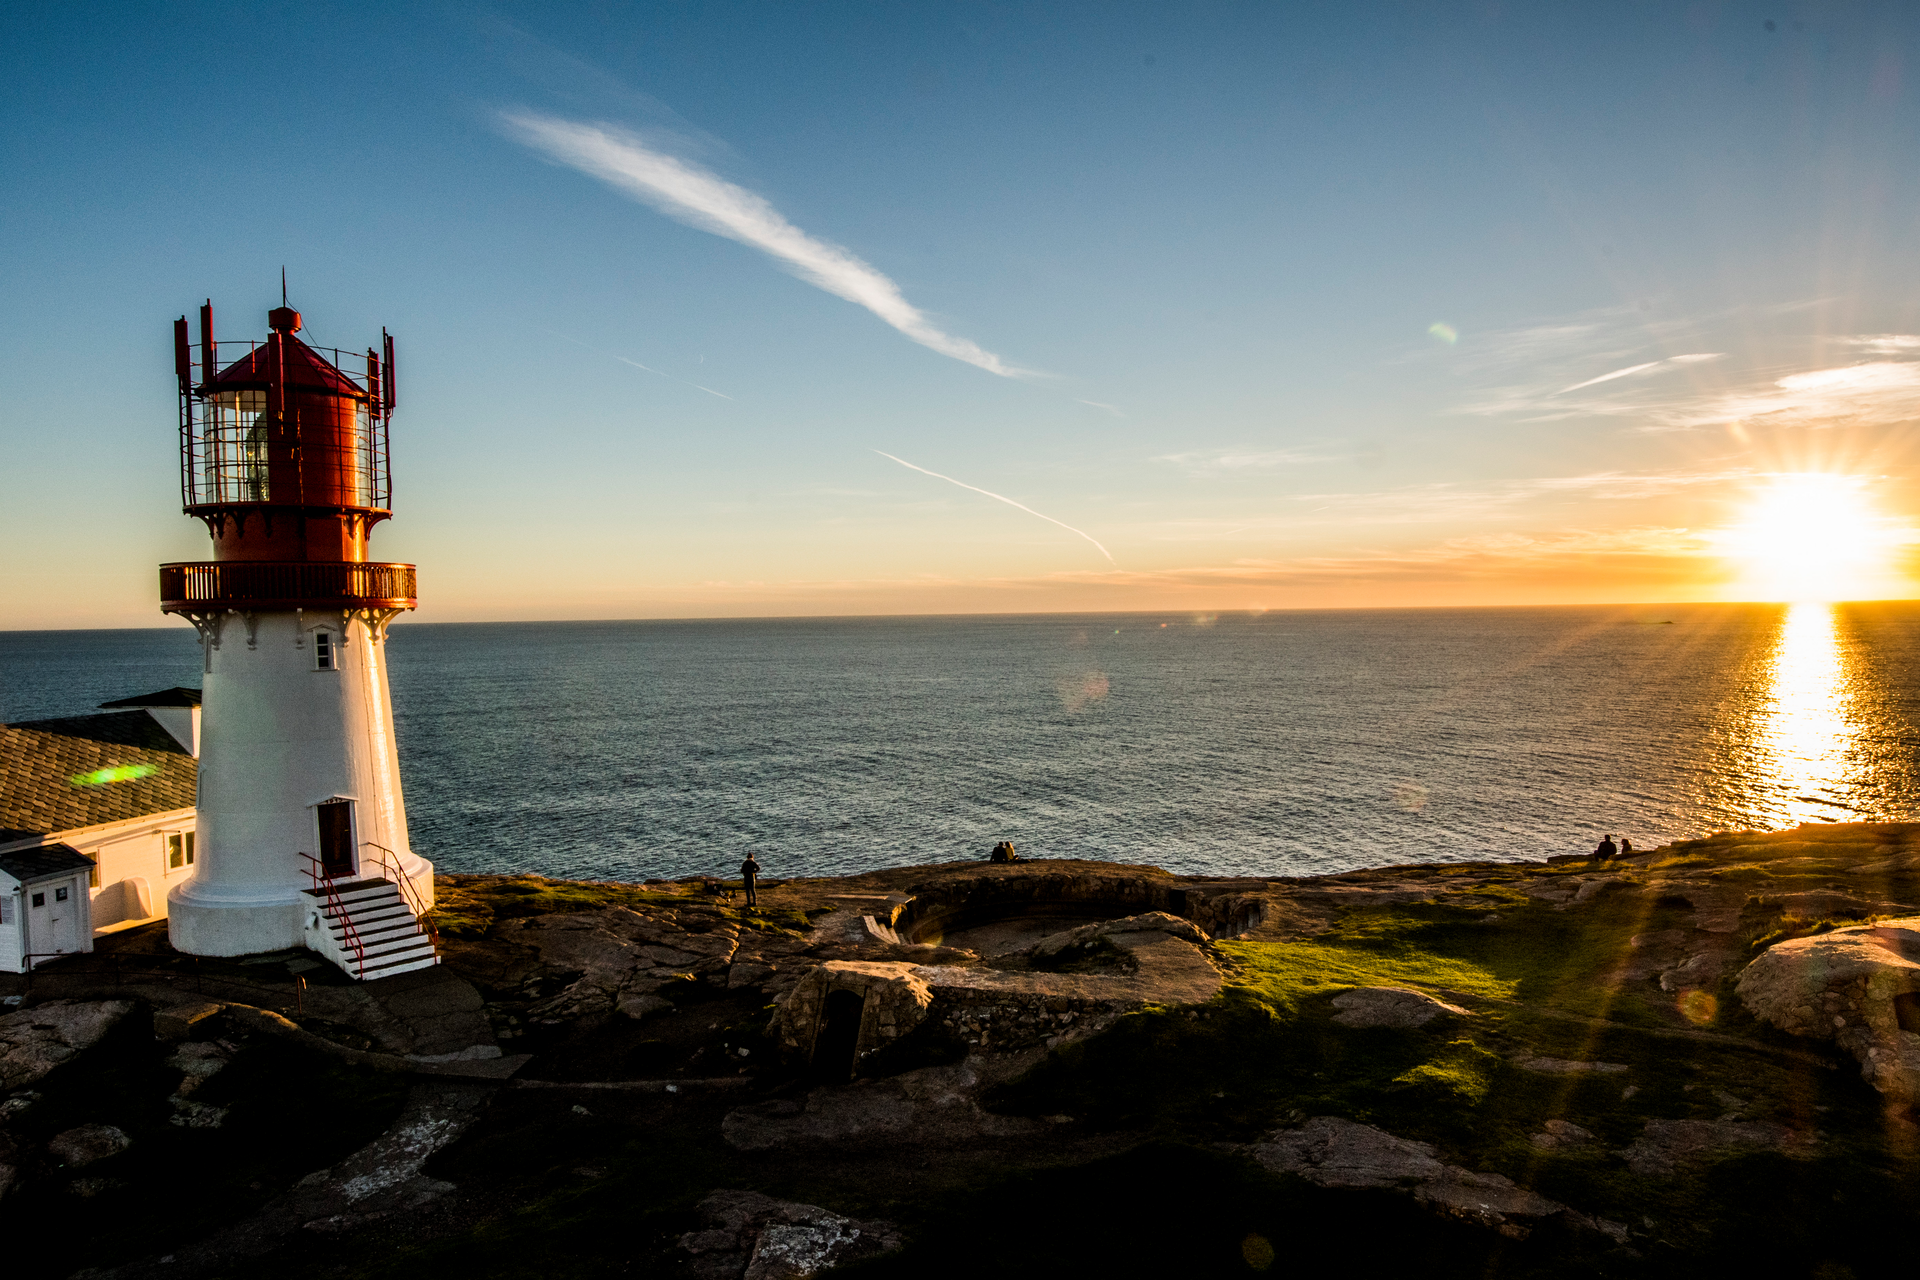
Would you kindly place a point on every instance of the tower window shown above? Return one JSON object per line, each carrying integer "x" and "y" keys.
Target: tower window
{"x": 324, "y": 656}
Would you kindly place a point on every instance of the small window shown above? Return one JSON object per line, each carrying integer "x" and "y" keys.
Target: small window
{"x": 39, "y": 899}
{"x": 6, "y": 908}
{"x": 176, "y": 852}
{"x": 59, "y": 895}
{"x": 189, "y": 848}
{"x": 324, "y": 657}
{"x": 93, "y": 872}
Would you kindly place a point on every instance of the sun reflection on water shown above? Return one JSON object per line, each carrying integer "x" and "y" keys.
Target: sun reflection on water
{"x": 1810, "y": 730}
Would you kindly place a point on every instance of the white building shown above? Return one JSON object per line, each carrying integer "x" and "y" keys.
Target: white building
{"x": 96, "y": 823}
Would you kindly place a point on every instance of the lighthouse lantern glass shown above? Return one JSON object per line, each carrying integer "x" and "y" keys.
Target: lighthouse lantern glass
{"x": 236, "y": 447}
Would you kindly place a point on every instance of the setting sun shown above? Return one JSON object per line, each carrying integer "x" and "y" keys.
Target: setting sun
{"x": 1813, "y": 537}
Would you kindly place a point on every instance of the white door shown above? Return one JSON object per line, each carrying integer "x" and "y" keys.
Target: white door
{"x": 53, "y": 918}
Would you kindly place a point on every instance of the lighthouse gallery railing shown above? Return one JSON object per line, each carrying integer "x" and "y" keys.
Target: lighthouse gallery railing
{"x": 286, "y": 584}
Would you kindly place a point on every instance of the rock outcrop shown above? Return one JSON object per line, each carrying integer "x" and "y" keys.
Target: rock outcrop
{"x": 1669, "y": 1147}
{"x": 1400, "y": 1007}
{"x": 750, "y": 1236}
{"x": 35, "y": 1041}
{"x": 1332, "y": 1152}
{"x": 930, "y": 1107}
{"x": 1858, "y": 987}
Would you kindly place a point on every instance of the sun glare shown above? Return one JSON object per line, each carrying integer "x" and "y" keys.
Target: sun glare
{"x": 1813, "y": 537}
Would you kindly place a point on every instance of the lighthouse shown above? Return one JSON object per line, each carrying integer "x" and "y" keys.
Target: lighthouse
{"x": 302, "y": 828}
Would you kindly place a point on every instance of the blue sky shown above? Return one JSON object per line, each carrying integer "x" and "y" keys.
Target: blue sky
{"x": 1300, "y": 299}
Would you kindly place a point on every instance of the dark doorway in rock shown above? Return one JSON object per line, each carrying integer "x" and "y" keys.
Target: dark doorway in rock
{"x": 839, "y": 1037}
{"x": 1906, "y": 1011}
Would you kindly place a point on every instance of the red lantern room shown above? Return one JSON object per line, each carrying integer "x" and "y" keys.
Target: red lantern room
{"x": 283, "y": 452}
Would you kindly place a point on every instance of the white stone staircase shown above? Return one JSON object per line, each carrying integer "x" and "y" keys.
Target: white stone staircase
{"x": 372, "y": 914}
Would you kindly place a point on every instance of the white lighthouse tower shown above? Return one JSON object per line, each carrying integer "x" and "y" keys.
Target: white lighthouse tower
{"x": 302, "y": 829}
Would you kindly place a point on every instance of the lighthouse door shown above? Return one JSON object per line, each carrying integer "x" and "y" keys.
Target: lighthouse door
{"x": 336, "y": 838}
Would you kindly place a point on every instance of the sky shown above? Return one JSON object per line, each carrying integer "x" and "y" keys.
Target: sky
{"x": 711, "y": 310}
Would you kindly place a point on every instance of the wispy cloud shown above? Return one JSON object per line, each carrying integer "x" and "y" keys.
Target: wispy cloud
{"x": 1872, "y": 394}
{"x": 1649, "y": 367}
{"x": 1546, "y": 373}
{"x": 998, "y": 497}
{"x": 1887, "y": 344}
{"x": 1231, "y": 462}
{"x": 1112, "y": 409}
{"x": 702, "y": 199}
{"x": 1446, "y": 503}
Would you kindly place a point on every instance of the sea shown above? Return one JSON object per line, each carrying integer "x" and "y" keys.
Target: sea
{"x": 1268, "y": 744}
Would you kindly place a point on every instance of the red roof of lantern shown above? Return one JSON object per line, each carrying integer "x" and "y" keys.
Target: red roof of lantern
{"x": 305, "y": 368}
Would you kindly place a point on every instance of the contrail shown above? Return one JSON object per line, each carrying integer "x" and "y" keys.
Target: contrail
{"x": 1002, "y": 498}
{"x": 702, "y": 199}
{"x": 636, "y": 364}
{"x": 696, "y": 386}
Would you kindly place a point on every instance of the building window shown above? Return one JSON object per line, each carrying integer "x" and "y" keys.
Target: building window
{"x": 324, "y": 656}
{"x": 39, "y": 899}
{"x": 59, "y": 895}
{"x": 93, "y": 872}
{"x": 180, "y": 851}
{"x": 6, "y": 908}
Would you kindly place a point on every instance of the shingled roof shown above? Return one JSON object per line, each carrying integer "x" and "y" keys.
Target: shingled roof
{"x": 42, "y": 860}
{"x": 174, "y": 697}
{"x": 56, "y": 775}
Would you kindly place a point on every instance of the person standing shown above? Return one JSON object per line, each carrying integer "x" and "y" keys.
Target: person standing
{"x": 749, "y": 878}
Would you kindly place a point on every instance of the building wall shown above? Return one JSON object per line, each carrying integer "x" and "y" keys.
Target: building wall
{"x": 17, "y": 940}
{"x": 125, "y": 853}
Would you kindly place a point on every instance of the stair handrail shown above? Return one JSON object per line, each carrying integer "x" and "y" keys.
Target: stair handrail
{"x": 350, "y": 936}
{"x": 411, "y": 895}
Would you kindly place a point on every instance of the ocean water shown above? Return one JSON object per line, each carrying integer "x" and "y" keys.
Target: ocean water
{"x": 1282, "y": 743}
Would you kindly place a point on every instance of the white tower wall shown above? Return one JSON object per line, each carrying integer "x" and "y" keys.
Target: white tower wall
{"x": 280, "y": 735}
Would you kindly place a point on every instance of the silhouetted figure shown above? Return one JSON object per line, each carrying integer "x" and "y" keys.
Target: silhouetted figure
{"x": 1606, "y": 850}
{"x": 1003, "y": 852}
{"x": 750, "y": 879}
{"x": 1626, "y": 847}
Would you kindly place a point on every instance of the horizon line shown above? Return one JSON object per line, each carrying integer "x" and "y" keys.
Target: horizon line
{"x": 1218, "y": 611}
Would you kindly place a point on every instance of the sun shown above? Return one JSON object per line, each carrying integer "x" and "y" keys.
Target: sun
{"x": 1813, "y": 536}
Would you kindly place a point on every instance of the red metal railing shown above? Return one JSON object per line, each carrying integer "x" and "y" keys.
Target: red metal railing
{"x": 286, "y": 584}
{"x": 410, "y": 894}
{"x": 350, "y": 937}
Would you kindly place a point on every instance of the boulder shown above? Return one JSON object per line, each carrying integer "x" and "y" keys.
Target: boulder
{"x": 35, "y": 1041}
{"x": 749, "y": 1236}
{"x": 78, "y": 1148}
{"x": 1110, "y": 930}
{"x": 1854, "y": 986}
{"x": 1400, "y": 1007}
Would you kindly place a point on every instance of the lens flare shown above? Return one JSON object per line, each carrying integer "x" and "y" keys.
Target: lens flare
{"x": 1699, "y": 1007}
{"x": 1444, "y": 331}
{"x": 113, "y": 773}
